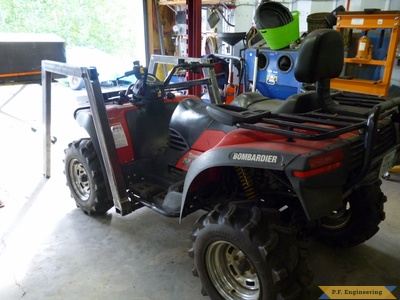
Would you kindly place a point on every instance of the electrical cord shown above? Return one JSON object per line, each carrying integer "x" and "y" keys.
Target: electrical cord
{"x": 219, "y": 10}
{"x": 250, "y": 35}
{"x": 211, "y": 45}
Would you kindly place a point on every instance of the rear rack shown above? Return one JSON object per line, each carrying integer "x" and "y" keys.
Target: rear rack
{"x": 318, "y": 125}
{"x": 309, "y": 126}
{"x": 315, "y": 125}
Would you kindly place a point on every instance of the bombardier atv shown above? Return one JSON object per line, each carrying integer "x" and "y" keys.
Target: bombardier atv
{"x": 268, "y": 173}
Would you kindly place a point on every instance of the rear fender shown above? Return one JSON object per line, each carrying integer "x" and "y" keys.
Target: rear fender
{"x": 233, "y": 157}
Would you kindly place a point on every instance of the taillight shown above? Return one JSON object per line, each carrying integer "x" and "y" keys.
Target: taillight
{"x": 322, "y": 163}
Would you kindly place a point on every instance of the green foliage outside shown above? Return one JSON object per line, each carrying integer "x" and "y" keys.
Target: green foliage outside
{"x": 114, "y": 26}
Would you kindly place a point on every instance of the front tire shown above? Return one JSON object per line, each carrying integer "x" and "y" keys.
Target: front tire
{"x": 358, "y": 219}
{"x": 242, "y": 253}
{"x": 85, "y": 178}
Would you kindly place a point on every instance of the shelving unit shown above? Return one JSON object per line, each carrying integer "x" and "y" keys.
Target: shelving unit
{"x": 365, "y": 21}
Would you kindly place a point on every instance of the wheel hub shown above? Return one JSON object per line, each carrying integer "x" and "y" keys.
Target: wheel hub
{"x": 338, "y": 219}
{"x": 231, "y": 272}
{"x": 79, "y": 179}
{"x": 243, "y": 266}
{"x": 83, "y": 178}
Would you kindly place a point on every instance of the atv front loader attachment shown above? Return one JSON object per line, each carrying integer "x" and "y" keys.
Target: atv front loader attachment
{"x": 105, "y": 142}
{"x": 115, "y": 180}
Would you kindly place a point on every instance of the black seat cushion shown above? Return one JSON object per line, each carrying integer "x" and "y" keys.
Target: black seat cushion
{"x": 252, "y": 100}
{"x": 320, "y": 56}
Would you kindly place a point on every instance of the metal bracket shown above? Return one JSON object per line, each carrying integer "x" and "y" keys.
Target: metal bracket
{"x": 207, "y": 72}
{"x": 101, "y": 124}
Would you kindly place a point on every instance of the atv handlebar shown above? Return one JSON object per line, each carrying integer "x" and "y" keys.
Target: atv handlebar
{"x": 140, "y": 71}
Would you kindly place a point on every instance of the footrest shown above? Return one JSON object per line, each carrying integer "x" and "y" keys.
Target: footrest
{"x": 172, "y": 202}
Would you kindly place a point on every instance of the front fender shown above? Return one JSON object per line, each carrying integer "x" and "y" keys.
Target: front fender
{"x": 236, "y": 157}
{"x": 84, "y": 118}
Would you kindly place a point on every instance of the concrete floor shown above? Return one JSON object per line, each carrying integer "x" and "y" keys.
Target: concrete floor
{"x": 50, "y": 250}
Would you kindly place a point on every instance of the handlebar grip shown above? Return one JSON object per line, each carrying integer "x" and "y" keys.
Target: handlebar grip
{"x": 129, "y": 73}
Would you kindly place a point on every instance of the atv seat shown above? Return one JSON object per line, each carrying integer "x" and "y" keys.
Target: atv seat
{"x": 319, "y": 59}
{"x": 298, "y": 103}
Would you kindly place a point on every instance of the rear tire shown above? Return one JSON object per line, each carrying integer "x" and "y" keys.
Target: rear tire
{"x": 85, "y": 178}
{"x": 357, "y": 221}
{"x": 242, "y": 253}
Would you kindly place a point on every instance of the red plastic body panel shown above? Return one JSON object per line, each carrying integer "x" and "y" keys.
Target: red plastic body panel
{"x": 208, "y": 139}
{"x": 187, "y": 159}
{"x": 251, "y": 139}
{"x": 119, "y": 127}
{"x": 259, "y": 140}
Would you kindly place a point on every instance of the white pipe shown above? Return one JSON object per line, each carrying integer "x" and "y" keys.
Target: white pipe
{"x": 253, "y": 88}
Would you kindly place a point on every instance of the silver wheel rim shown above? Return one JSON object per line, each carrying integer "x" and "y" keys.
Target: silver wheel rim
{"x": 79, "y": 179}
{"x": 231, "y": 272}
{"x": 338, "y": 219}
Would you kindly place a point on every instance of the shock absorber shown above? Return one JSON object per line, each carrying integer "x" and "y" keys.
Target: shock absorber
{"x": 246, "y": 180}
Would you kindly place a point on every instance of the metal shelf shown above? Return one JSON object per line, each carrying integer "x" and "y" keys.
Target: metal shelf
{"x": 369, "y": 87}
{"x": 366, "y": 61}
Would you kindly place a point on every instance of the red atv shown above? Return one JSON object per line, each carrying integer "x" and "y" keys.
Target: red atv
{"x": 268, "y": 172}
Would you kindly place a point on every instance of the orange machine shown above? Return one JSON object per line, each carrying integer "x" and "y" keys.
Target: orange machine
{"x": 351, "y": 22}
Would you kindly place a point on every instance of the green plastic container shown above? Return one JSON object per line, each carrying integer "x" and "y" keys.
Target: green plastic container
{"x": 281, "y": 37}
